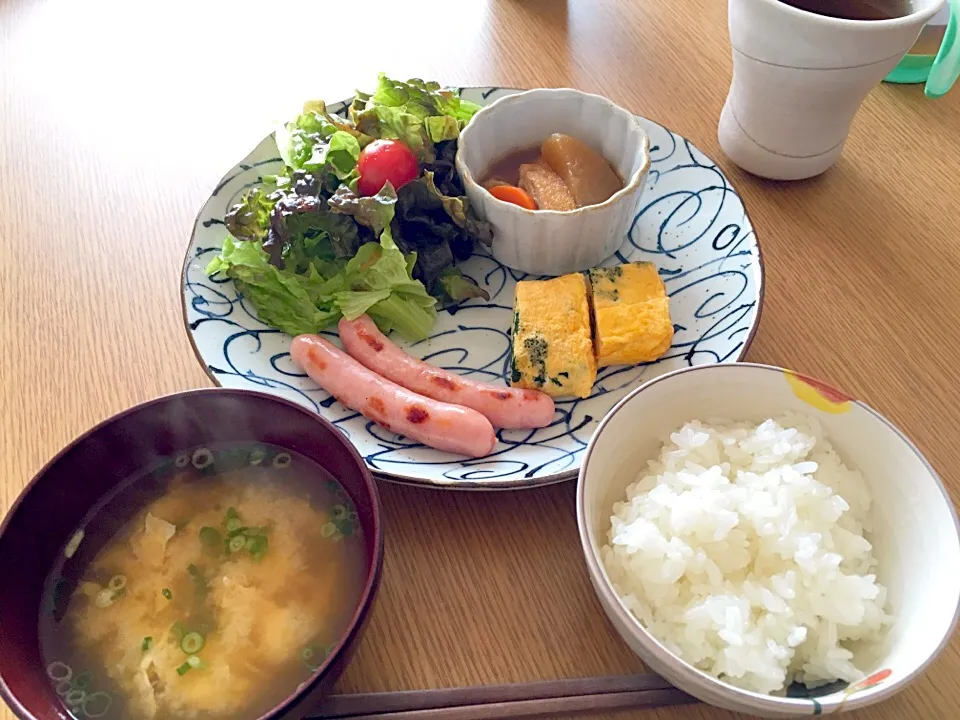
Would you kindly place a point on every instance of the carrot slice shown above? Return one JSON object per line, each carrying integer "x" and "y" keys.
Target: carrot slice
{"x": 515, "y": 195}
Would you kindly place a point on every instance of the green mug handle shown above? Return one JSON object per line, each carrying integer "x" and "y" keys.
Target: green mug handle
{"x": 912, "y": 70}
{"x": 946, "y": 66}
{"x": 939, "y": 71}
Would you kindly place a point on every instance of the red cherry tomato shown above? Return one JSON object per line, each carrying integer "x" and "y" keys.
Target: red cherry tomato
{"x": 384, "y": 160}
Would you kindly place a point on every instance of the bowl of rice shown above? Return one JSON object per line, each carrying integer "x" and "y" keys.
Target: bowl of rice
{"x": 766, "y": 543}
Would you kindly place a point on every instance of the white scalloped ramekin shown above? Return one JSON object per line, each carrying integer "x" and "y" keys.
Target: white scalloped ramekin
{"x": 553, "y": 242}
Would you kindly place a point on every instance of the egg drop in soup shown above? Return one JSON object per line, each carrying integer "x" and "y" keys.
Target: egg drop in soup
{"x": 238, "y": 570}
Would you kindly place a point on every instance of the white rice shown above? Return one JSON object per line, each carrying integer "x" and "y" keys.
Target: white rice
{"x": 741, "y": 548}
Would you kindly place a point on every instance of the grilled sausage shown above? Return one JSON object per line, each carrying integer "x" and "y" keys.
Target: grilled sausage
{"x": 438, "y": 424}
{"x": 504, "y": 407}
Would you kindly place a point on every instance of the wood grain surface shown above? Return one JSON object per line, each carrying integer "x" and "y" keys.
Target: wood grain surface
{"x": 118, "y": 118}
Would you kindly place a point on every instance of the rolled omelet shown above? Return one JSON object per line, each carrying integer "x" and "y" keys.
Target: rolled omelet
{"x": 552, "y": 343}
{"x": 565, "y": 328}
{"x": 631, "y": 314}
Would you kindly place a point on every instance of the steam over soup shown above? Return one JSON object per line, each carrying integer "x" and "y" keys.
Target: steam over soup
{"x": 238, "y": 571}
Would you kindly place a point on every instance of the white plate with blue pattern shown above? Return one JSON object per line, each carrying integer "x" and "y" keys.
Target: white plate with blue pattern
{"x": 690, "y": 222}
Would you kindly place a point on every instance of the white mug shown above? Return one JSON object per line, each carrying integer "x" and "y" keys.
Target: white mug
{"x": 798, "y": 80}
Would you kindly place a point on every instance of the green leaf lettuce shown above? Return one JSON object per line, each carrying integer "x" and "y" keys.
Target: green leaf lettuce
{"x": 376, "y": 280}
{"x": 294, "y": 303}
{"x": 418, "y": 113}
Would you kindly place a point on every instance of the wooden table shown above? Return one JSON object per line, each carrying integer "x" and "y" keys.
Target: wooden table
{"x": 117, "y": 119}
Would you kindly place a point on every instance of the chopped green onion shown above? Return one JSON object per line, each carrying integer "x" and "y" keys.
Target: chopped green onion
{"x": 202, "y": 458}
{"x": 236, "y": 543}
{"x": 90, "y": 709}
{"x": 339, "y": 512}
{"x": 147, "y": 642}
{"x": 178, "y": 630}
{"x": 232, "y": 524}
{"x": 232, "y": 513}
{"x": 75, "y": 697}
{"x": 309, "y": 657}
{"x": 313, "y": 656}
{"x": 81, "y": 681}
{"x": 184, "y": 669}
{"x": 104, "y": 599}
{"x": 199, "y": 581}
{"x": 328, "y": 530}
{"x": 192, "y": 643}
{"x": 167, "y": 594}
{"x": 195, "y": 662}
{"x": 210, "y": 537}
{"x": 73, "y": 545}
{"x": 117, "y": 583}
{"x": 257, "y": 546}
{"x": 59, "y": 671}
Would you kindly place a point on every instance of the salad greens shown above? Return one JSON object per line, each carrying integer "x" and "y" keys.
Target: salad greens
{"x": 306, "y": 248}
{"x": 418, "y": 113}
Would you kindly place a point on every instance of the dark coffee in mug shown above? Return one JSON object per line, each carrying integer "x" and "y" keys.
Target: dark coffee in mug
{"x": 855, "y": 9}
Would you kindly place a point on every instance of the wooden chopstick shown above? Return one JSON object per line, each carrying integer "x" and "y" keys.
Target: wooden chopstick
{"x": 503, "y": 702}
{"x": 541, "y": 708}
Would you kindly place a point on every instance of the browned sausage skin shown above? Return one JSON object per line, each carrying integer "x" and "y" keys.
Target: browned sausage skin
{"x": 504, "y": 407}
{"x": 437, "y": 424}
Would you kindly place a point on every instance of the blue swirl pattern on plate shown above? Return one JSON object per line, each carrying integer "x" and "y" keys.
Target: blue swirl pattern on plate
{"x": 691, "y": 223}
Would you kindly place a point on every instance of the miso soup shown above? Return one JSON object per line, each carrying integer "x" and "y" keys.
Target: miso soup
{"x": 209, "y": 587}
